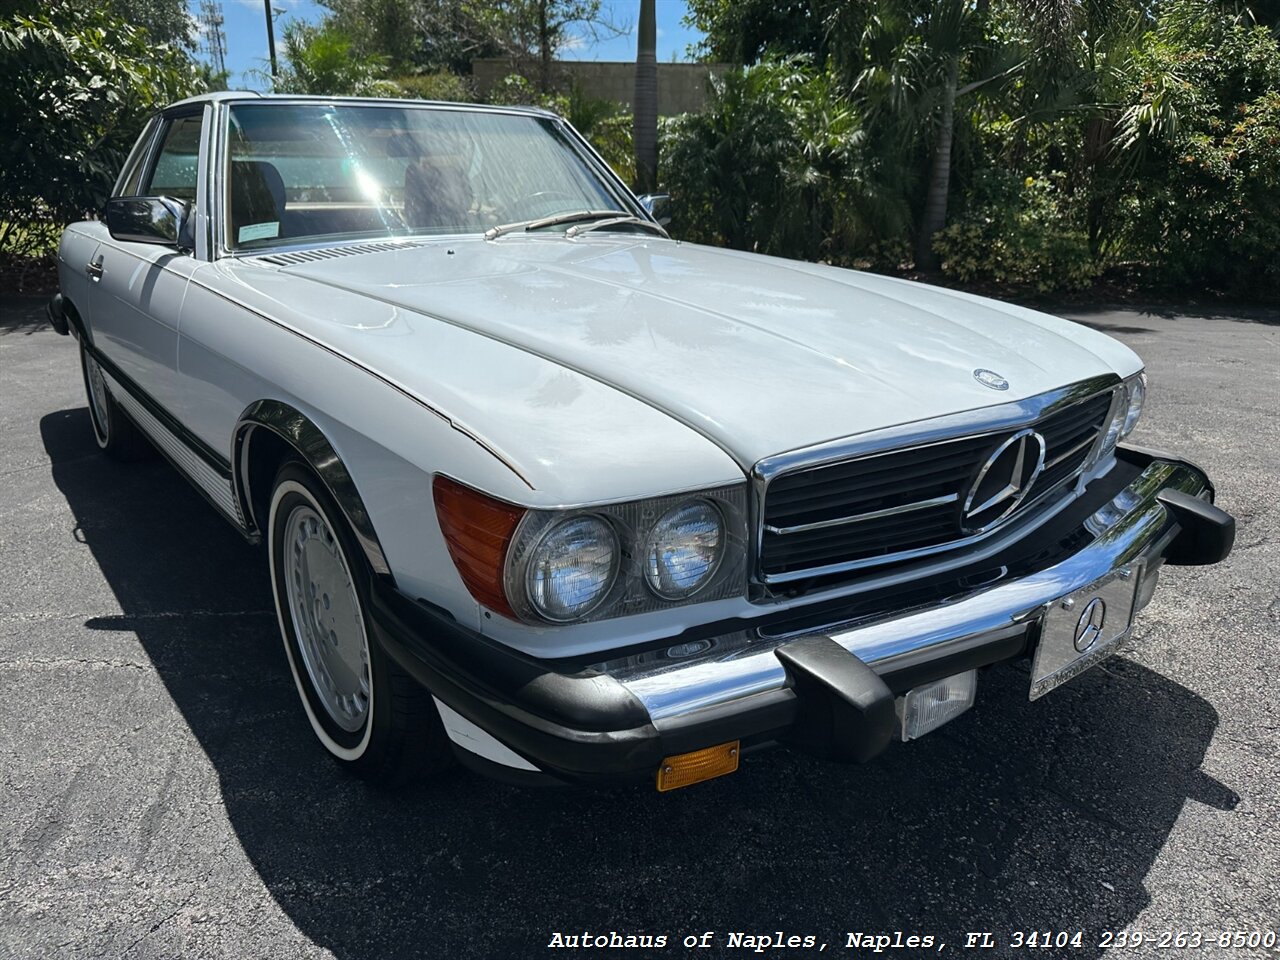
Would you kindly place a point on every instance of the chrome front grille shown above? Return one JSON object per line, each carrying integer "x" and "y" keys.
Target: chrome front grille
{"x": 887, "y": 505}
{"x": 1069, "y": 437}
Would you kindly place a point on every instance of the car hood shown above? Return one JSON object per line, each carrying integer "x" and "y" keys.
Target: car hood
{"x": 758, "y": 354}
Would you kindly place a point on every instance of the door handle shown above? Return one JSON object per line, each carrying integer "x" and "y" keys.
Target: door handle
{"x": 94, "y": 269}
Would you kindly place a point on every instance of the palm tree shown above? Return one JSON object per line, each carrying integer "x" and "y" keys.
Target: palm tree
{"x": 935, "y": 203}
{"x": 953, "y": 36}
{"x": 645, "y": 123}
{"x": 906, "y": 59}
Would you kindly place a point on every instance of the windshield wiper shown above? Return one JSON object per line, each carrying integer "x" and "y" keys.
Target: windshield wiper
{"x": 627, "y": 219}
{"x": 494, "y": 232}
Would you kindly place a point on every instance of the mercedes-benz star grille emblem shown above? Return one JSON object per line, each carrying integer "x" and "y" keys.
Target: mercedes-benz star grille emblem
{"x": 989, "y": 378}
{"x": 1003, "y": 481}
{"x": 1089, "y": 626}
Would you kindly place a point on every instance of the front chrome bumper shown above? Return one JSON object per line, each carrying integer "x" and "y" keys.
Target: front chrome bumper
{"x": 825, "y": 684}
{"x": 1133, "y": 526}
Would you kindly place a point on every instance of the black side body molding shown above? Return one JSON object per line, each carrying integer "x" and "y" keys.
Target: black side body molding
{"x": 210, "y": 456}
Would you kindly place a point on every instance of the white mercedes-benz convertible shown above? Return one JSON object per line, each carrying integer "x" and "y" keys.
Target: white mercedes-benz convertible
{"x": 552, "y": 493}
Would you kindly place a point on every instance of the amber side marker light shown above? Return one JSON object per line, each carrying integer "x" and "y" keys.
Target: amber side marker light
{"x": 685, "y": 769}
{"x": 478, "y": 530}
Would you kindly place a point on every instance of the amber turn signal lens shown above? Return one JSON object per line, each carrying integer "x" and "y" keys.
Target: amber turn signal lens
{"x": 689, "y": 768}
{"x": 478, "y": 531}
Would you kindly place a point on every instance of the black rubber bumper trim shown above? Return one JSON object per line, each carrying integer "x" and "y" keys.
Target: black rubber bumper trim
{"x": 903, "y": 674}
{"x": 768, "y": 715}
{"x": 1145, "y": 456}
{"x": 845, "y": 709}
{"x": 1206, "y": 533}
{"x": 587, "y": 727}
{"x": 57, "y": 315}
{"x": 580, "y": 727}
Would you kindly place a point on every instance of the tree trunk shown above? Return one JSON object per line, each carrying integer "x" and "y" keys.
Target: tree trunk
{"x": 645, "y": 122}
{"x": 544, "y": 48}
{"x": 935, "y": 204}
{"x": 1098, "y": 133}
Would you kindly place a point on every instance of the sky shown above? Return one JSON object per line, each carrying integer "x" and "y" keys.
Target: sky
{"x": 244, "y": 24}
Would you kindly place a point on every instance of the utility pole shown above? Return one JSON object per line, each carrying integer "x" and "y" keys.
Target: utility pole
{"x": 271, "y": 40}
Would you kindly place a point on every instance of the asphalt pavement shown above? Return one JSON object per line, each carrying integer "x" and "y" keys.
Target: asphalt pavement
{"x": 161, "y": 795}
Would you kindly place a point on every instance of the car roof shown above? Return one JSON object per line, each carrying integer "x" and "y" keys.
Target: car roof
{"x": 223, "y": 96}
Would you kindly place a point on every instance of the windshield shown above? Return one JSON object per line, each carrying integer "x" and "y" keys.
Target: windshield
{"x": 313, "y": 172}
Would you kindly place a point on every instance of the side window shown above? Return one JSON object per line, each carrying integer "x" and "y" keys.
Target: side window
{"x": 174, "y": 173}
{"x": 127, "y": 185}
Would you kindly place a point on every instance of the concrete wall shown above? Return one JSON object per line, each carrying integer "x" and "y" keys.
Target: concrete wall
{"x": 682, "y": 87}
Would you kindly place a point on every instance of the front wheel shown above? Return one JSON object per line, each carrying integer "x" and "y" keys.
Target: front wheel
{"x": 372, "y": 717}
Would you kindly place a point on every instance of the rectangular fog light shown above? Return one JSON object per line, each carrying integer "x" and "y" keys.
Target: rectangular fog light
{"x": 929, "y": 707}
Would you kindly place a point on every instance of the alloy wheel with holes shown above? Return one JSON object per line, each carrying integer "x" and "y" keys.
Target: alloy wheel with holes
{"x": 371, "y": 717}
{"x": 118, "y": 436}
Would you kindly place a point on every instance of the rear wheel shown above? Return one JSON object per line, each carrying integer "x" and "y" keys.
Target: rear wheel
{"x": 374, "y": 719}
{"x": 118, "y": 436}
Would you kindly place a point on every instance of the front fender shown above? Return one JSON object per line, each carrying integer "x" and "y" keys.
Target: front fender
{"x": 312, "y": 446}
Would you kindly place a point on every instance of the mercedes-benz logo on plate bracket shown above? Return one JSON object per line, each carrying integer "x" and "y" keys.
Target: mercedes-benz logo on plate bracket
{"x": 1089, "y": 626}
{"x": 1003, "y": 481}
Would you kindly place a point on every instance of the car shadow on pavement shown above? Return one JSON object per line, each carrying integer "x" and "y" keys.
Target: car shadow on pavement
{"x": 1018, "y": 816}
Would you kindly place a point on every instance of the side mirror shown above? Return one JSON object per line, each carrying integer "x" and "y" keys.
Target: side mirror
{"x": 659, "y": 207}
{"x": 161, "y": 220}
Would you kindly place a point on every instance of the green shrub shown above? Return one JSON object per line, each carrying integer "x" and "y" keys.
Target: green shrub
{"x": 323, "y": 60}
{"x": 518, "y": 91}
{"x": 586, "y": 112}
{"x": 1206, "y": 196}
{"x": 599, "y": 120}
{"x": 771, "y": 164}
{"x": 1026, "y": 233}
{"x": 79, "y": 83}
{"x": 611, "y": 136}
{"x": 441, "y": 85}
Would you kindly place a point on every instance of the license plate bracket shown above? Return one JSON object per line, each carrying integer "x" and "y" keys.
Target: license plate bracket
{"x": 1083, "y": 628}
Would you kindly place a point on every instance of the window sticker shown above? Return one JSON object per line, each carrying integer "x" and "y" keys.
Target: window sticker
{"x": 259, "y": 231}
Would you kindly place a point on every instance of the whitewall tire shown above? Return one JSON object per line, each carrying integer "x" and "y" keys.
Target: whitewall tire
{"x": 367, "y": 713}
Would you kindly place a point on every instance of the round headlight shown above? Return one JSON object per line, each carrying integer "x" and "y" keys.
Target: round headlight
{"x": 1117, "y": 423}
{"x": 1137, "y": 397}
{"x": 572, "y": 568}
{"x": 683, "y": 550}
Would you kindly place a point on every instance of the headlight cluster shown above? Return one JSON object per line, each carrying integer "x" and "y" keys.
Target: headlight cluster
{"x": 1127, "y": 409}
{"x": 627, "y": 558}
